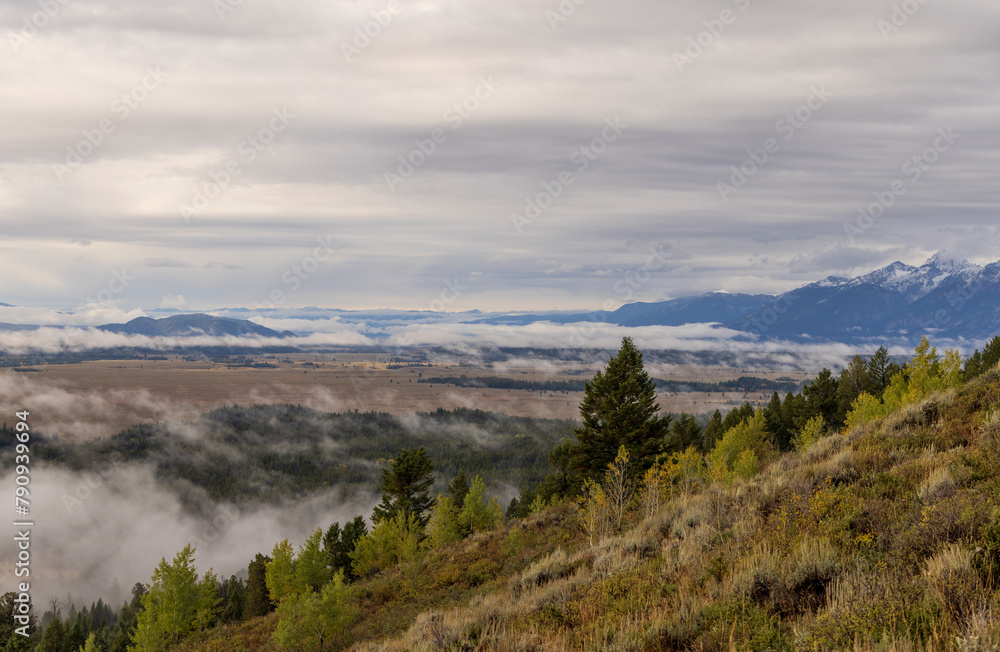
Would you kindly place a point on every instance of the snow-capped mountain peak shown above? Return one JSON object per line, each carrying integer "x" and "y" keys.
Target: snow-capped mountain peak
{"x": 916, "y": 282}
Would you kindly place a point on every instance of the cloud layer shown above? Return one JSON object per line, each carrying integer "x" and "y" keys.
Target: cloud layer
{"x": 256, "y": 119}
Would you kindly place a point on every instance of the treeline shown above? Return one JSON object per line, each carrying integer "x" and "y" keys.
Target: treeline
{"x": 497, "y": 382}
{"x": 865, "y": 389}
{"x": 273, "y": 453}
{"x": 136, "y": 353}
{"x": 741, "y": 384}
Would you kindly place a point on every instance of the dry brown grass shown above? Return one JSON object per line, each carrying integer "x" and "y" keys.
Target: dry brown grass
{"x": 141, "y": 391}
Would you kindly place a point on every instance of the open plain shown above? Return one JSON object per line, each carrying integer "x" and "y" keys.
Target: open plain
{"x": 101, "y": 397}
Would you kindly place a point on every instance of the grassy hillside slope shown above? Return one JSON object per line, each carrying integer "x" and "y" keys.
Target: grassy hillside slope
{"x": 885, "y": 537}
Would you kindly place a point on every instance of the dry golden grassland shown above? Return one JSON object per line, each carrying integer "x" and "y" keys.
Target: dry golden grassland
{"x": 120, "y": 393}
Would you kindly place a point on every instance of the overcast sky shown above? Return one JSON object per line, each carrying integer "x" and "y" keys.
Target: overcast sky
{"x": 117, "y": 114}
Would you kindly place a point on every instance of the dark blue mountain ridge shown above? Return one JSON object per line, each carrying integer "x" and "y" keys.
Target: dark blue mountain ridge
{"x": 191, "y": 325}
{"x": 823, "y": 311}
{"x": 898, "y": 303}
{"x": 714, "y": 307}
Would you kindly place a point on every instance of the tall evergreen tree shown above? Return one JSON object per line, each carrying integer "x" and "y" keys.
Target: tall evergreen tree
{"x": 991, "y": 354}
{"x": 258, "y": 602}
{"x": 793, "y": 412}
{"x": 619, "y": 409}
{"x": 352, "y": 533}
{"x": 121, "y": 634}
{"x": 457, "y": 488}
{"x": 713, "y": 431}
{"x": 7, "y": 607}
{"x": 879, "y": 372}
{"x": 53, "y": 638}
{"x": 973, "y": 366}
{"x": 331, "y": 539}
{"x": 774, "y": 416}
{"x": 854, "y": 379}
{"x": 406, "y": 487}
{"x": 739, "y": 415}
{"x": 821, "y": 397}
{"x": 684, "y": 433}
{"x": 232, "y": 600}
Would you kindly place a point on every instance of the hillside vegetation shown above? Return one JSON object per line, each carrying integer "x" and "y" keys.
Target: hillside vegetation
{"x": 886, "y": 536}
{"x": 883, "y": 535}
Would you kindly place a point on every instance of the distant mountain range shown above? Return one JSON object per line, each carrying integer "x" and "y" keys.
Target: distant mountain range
{"x": 191, "y": 325}
{"x": 713, "y": 307}
{"x": 898, "y": 303}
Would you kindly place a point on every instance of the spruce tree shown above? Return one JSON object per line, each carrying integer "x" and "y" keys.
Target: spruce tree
{"x": 774, "y": 416}
{"x": 232, "y": 600}
{"x": 991, "y": 354}
{"x": 879, "y": 372}
{"x": 54, "y": 637}
{"x": 353, "y": 531}
{"x": 406, "y": 487}
{"x": 973, "y": 366}
{"x": 713, "y": 431}
{"x": 457, "y": 488}
{"x": 258, "y": 602}
{"x": 821, "y": 397}
{"x": 619, "y": 409}
{"x": 737, "y": 416}
{"x": 684, "y": 433}
{"x": 331, "y": 540}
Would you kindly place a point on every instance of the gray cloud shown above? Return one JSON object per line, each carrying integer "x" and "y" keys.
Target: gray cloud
{"x": 324, "y": 174}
